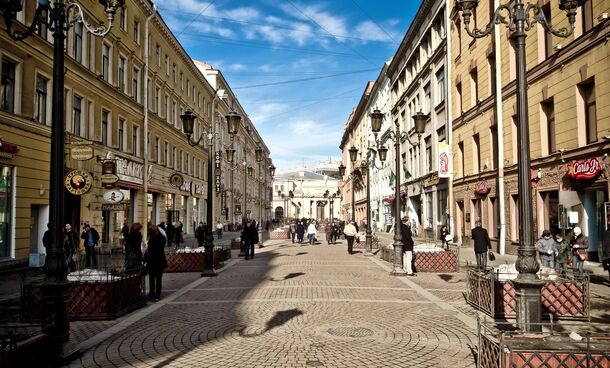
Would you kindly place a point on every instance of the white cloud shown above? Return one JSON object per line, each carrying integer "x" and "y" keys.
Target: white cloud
{"x": 369, "y": 31}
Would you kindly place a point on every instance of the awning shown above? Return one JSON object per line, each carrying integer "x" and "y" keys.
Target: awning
{"x": 392, "y": 197}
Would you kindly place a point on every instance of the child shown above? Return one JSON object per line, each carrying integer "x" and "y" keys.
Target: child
{"x": 562, "y": 255}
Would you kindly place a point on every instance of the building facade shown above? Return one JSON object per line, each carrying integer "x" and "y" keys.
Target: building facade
{"x": 568, "y": 124}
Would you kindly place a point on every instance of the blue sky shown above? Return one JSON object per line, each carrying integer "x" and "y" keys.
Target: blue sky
{"x": 297, "y": 67}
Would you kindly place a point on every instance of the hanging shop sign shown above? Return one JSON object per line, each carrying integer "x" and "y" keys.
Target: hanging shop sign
{"x": 7, "y": 149}
{"x": 81, "y": 152}
{"x": 126, "y": 169}
{"x": 176, "y": 180}
{"x": 585, "y": 169}
{"x": 115, "y": 207}
{"x": 186, "y": 186}
{"x": 217, "y": 172}
{"x": 78, "y": 182}
{"x": 482, "y": 188}
{"x": 109, "y": 176}
{"x": 113, "y": 196}
{"x": 199, "y": 189}
{"x": 443, "y": 160}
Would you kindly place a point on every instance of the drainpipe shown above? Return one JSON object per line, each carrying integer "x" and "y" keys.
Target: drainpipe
{"x": 145, "y": 139}
{"x": 449, "y": 73}
{"x": 498, "y": 92}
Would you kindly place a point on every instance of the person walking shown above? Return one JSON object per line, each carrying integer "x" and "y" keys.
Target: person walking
{"x": 46, "y": 238}
{"x": 125, "y": 235}
{"x": 350, "y": 233}
{"x": 300, "y": 231}
{"x": 547, "y": 248}
{"x": 292, "y": 231}
{"x": 133, "y": 258}
{"x": 219, "y": 227}
{"x": 249, "y": 237}
{"x": 169, "y": 231}
{"x": 156, "y": 262}
{"x": 178, "y": 233}
{"x": 482, "y": 245}
{"x": 90, "y": 238}
{"x": 200, "y": 234}
{"x": 562, "y": 255}
{"x": 444, "y": 238}
{"x": 407, "y": 246}
{"x": 311, "y": 233}
{"x": 579, "y": 245}
{"x": 71, "y": 247}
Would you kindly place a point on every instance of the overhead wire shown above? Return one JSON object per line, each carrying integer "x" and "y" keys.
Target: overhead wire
{"x": 195, "y": 17}
{"x": 305, "y": 79}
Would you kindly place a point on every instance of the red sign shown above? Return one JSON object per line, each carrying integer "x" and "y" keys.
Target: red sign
{"x": 587, "y": 169}
{"x": 482, "y": 187}
{"x": 8, "y": 147}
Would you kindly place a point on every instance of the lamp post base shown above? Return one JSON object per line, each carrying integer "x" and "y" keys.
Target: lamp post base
{"x": 369, "y": 244}
{"x": 529, "y": 305}
{"x": 208, "y": 263}
{"x": 398, "y": 269}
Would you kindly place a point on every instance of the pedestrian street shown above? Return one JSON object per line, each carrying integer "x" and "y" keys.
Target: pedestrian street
{"x": 292, "y": 306}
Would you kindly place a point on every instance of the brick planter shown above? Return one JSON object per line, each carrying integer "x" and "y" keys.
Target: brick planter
{"x": 426, "y": 261}
{"x": 235, "y": 243}
{"x": 563, "y": 298}
{"x": 92, "y": 300}
{"x": 552, "y": 349}
{"x": 184, "y": 262}
{"x": 281, "y": 234}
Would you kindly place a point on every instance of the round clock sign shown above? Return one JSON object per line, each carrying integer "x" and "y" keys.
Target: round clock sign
{"x": 78, "y": 182}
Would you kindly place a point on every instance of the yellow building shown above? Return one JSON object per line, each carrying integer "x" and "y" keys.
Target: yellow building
{"x": 569, "y": 122}
{"x": 124, "y": 95}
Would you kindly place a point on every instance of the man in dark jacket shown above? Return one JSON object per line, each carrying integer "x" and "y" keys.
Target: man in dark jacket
{"x": 249, "y": 236}
{"x": 407, "y": 246}
{"x": 200, "y": 234}
{"x": 71, "y": 247}
{"x": 90, "y": 238}
{"x": 480, "y": 237}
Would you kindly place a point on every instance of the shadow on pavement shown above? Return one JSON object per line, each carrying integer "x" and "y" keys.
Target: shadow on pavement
{"x": 290, "y": 276}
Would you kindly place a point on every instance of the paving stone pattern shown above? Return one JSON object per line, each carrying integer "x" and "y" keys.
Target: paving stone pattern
{"x": 292, "y": 306}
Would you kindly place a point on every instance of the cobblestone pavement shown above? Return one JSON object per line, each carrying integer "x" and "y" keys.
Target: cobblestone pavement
{"x": 292, "y": 306}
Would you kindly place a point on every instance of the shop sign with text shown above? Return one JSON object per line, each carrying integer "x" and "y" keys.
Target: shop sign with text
{"x": 217, "y": 172}
{"x": 585, "y": 169}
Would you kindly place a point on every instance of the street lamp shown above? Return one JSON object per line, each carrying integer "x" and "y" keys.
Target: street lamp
{"x": 188, "y": 121}
{"x": 353, "y": 156}
{"x": 420, "y": 119}
{"x": 519, "y": 22}
{"x": 59, "y": 16}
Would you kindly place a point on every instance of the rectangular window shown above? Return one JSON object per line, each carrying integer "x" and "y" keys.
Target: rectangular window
{"x": 476, "y": 153}
{"x": 461, "y": 158}
{"x": 474, "y": 87}
{"x": 458, "y": 33}
{"x": 122, "y": 74}
{"x": 106, "y": 62}
{"x": 587, "y": 15}
{"x": 77, "y": 114}
{"x": 42, "y": 86}
{"x": 427, "y": 98}
{"x": 181, "y": 81}
{"x": 136, "y": 32}
{"x": 8, "y": 85}
{"x": 548, "y": 110}
{"x": 440, "y": 86}
{"x": 135, "y": 140}
{"x": 174, "y": 158}
{"x": 428, "y": 167}
{"x": 158, "y": 149}
{"x": 491, "y": 67}
{"x": 123, "y": 19}
{"x": 514, "y": 134}
{"x": 105, "y": 123}
{"x": 78, "y": 42}
{"x": 441, "y": 134}
{"x": 121, "y": 135}
{"x": 174, "y": 72}
{"x": 6, "y": 211}
{"x": 158, "y": 100}
{"x": 158, "y": 54}
{"x": 493, "y": 131}
{"x": 548, "y": 37}
{"x": 587, "y": 93}
{"x": 166, "y": 153}
{"x": 135, "y": 84}
{"x": 167, "y": 64}
{"x": 460, "y": 106}
{"x": 167, "y": 107}
{"x": 43, "y": 29}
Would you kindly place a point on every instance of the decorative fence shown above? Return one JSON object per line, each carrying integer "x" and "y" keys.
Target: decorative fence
{"x": 498, "y": 348}
{"x": 495, "y": 295}
{"x": 429, "y": 261}
{"x": 93, "y": 295}
{"x": 279, "y": 234}
{"x": 192, "y": 259}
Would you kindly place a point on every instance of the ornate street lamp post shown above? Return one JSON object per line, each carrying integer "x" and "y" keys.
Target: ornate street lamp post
{"x": 188, "y": 120}
{"x": 61, "y": 16}
{"x": 518, "y": 22}
{"x": 420, "y": 120}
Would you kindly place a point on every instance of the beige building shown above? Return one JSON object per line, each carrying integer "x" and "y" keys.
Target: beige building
{"x": 124, "y": 97}
{"x": 569, "y": 124}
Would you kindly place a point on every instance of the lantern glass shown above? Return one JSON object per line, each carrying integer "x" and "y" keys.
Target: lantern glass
{"x": 233, "y": 122}
{"x": 466, "y": 5}
{"x": 342, "y": 170}
{"x": 258, "y": 152}
{"x": 570, "y": 4}
{"x": 230, "y": 155}
{"x": 383, "y": 153}
{"x": 188, "y": 121}
{"x": 250, "y": 170}
{"x": 353, "y": 154}
{"x": 420, "y": 120}
{"x": 376, "y": 120}
{"x": 272, "y": 170}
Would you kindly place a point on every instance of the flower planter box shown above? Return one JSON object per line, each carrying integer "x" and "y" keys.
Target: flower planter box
{"x": 428, "y": 261}
{"x": 235, "y": 243}
{"x": 93, "y": 299}
{"x": 219, "y": 258}
{"x": 552, "y": 349}
{"x": 279, "y": 234}
{"x": 563, "y": 298}
{"x": 184, "y": 262}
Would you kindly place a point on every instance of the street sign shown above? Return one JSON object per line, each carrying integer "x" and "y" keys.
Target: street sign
{"x": 81, "y": 152}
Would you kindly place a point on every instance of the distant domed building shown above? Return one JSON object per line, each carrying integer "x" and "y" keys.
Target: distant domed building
{"x": 305, "y": 193}
{"x": 328, "y": 167}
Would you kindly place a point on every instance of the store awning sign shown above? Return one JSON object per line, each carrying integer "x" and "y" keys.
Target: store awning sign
{"x": 482, "y": 187}
{"x": 585, "y": 169}
{"x": 113, "y": 196}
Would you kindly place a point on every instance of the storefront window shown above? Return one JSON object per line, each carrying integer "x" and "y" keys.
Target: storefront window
{"x": 6, "y": 174}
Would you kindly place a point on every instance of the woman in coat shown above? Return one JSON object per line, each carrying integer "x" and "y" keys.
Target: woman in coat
{"x": 133, "y": 258}
{"x": 156, "y": 262}
{"x": 547, "y": 249}
{"x": 300, "y": 231}
{"x": 579, "y": 244}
